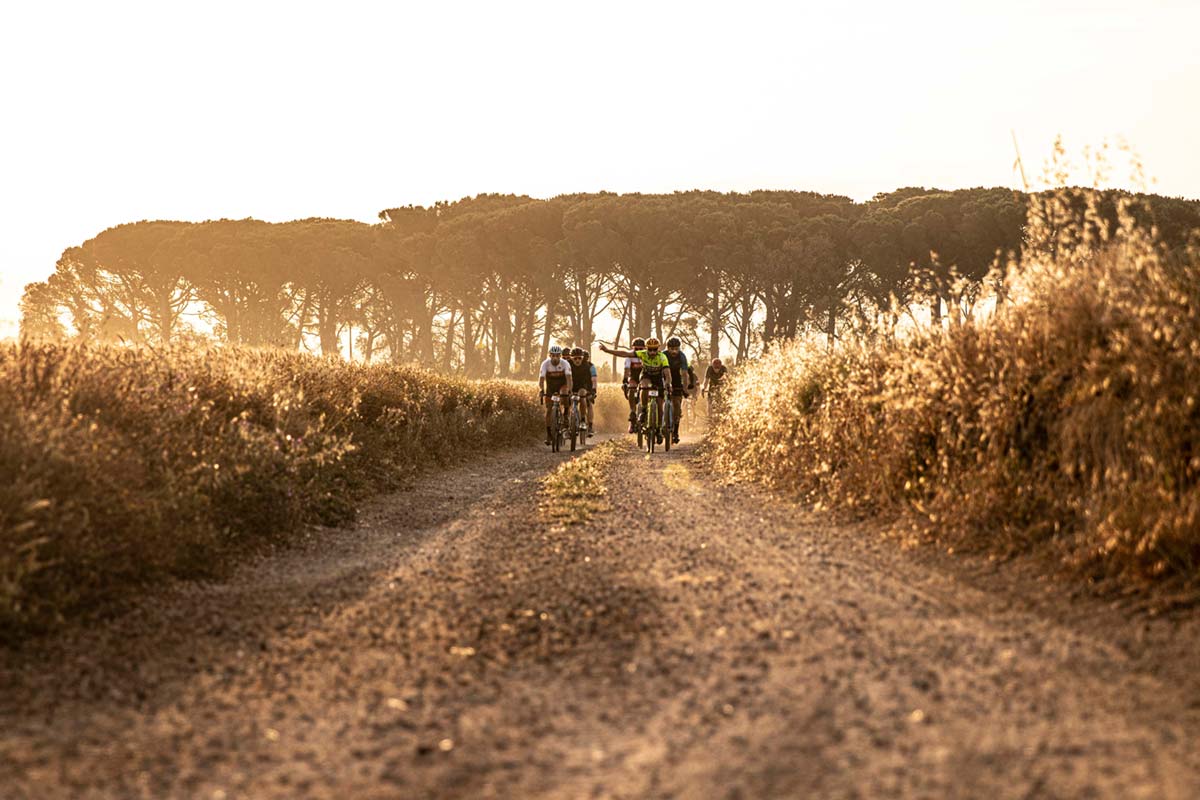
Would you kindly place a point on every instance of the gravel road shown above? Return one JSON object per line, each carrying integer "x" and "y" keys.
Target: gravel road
{"x": 696, "y": 640}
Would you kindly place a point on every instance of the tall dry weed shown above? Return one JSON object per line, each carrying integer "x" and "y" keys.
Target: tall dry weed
{"x": 121, "y": 466}
{"x": 1067, "y": 416}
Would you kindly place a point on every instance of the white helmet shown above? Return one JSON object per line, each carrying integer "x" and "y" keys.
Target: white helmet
{"x": 555, "y": 350}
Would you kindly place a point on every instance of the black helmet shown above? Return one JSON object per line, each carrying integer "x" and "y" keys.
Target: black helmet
{"x": 578, "y": 352}
{"x": 639, "y": 342}
{"x": 673, "y": 342}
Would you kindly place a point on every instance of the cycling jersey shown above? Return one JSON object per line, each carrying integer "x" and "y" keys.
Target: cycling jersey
{"x": 634, "y": 365}
{"x": 679, "y": 365}
{"x": 715, "y": 375}
{"x": 555, "y": 374}
{"x": 652, "y": 364}
{"x": 581, "y": 376}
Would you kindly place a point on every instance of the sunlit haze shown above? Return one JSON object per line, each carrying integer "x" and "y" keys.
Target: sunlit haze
{"x": 115, "y": 112}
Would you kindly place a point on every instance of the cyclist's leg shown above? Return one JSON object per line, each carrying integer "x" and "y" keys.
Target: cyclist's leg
{"x": 631, "y": 394}
{"x": 644, "y": 391}
{"x": 662, "y": 419}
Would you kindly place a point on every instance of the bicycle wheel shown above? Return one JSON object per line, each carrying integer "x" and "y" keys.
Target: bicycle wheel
{"x": 669, "y": 408}
{"x": 651, "y": 425}
{"x": 555, "y": 433}
{"x": 639, "y": 424}
{"x": 573, "y": 422}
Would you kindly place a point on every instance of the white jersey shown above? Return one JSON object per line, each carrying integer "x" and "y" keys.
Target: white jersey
{"x": 552, "y": 371}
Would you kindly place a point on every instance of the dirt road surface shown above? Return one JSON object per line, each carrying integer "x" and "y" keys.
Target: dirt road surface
{"x": 696, "y": 640}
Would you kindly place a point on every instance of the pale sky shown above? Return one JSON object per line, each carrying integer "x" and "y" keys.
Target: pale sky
{"x": 121, "y": 111}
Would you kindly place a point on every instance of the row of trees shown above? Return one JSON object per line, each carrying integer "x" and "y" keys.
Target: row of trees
{"x": 484, "y": 284}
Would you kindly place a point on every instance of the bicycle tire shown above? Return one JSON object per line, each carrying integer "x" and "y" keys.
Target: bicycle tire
{"x": 554, "y": 432}
{"x": 669, "y": 408}
{"x": 639, "y": 424}
{"x": 651, "y": 426}
{"x": 573, "y": 422}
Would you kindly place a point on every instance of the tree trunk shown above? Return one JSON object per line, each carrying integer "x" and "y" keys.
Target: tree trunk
{"x": 617, "y": 340}
{"x": 448, "y": 351}
{"x": 165, "y": 313}
{"x": 528, "y": 356}
{"x": 747, "y": 318}
{"x": 424, "y": 336}
{"x": 547, "y": 331}
{"x": 468, "y": 342}
{"x": 769, "y": 322}
{"x": 714, "y": 325}
{"x": 643, "y": 314}
{"x": 327, "y": 327}
{"x": 301, "y": 320}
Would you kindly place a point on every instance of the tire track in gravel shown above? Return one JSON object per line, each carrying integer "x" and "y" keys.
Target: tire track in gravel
{"x": 697, "y": 640}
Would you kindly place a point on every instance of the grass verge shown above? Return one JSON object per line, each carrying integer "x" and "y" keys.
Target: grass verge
{"x": 1066, "y": 421}
{"x": 120, "y": 467}
{"x": 578, "y": 489}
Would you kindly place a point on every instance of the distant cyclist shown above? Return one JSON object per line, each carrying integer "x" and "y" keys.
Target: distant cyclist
{"x": 679, "y": 368}
{"x": 714, "y": 378}
{"x": 629, "y": 383}
{"x": 655, "y": 374}
{"x": 554, "y": 378}
{"x": 583, "y": 382}
{"x": 587, "y": 359}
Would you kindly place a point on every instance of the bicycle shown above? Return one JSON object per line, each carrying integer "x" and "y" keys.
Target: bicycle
{"x": 574, "y": 422}
{"x": 687, "y": 414}
{"x": 650, "y": 430}
{"x": 715, "y": 400}
{"x": 556, "y": 423}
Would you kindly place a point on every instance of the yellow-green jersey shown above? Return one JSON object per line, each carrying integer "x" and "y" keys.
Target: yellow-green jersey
{"x": 653, "y": 365}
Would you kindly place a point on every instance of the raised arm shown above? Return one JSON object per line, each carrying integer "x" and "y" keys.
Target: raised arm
{"x": 618, "y": 353}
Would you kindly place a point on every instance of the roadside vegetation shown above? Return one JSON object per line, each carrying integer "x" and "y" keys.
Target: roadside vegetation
{"x": 122, "y": 466}
{"x": 1065, "y": 419}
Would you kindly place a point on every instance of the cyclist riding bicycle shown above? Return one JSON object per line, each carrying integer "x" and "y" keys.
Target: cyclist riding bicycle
{"x": 583, "y": 382}
{"x": 587, "y": 359}
{"x": 655, "y": 374}
{"x": 554, "y": 378}
{"x": 679, "y": 365}
{"x": 714, "y": 377}
{"x": 633, "y": 374}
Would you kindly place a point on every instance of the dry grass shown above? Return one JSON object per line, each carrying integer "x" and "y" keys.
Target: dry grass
{"x": 578, "y": 489}
{"x": 1066, "y": 419}
{"x": 119, "y": 467}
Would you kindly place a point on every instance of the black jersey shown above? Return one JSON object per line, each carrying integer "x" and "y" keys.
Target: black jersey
{"x": 679, "y": 364}
{"x": 581, "y": 376}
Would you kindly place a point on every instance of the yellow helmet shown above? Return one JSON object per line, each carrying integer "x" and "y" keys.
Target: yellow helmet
{"x": 652, "y": 343}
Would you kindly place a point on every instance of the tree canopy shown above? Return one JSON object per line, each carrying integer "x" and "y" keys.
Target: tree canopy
{"x": 483, "y": 284}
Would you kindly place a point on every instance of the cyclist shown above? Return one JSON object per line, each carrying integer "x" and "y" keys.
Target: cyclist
{"x": 587, "y": 359}
{"x": 655, "y": 374}
{"x": 714, "y": 376}
{"x": 583, "y": 382}
{"x": 554, "y": 378}
{"x": 633, "y": 373}
{"x": 679, "y": 365}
